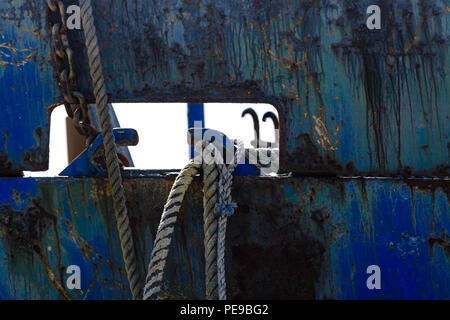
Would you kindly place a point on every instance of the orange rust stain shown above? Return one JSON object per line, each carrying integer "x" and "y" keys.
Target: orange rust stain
{"x": 337, "y": 129}
{"x": 322, "y": 135}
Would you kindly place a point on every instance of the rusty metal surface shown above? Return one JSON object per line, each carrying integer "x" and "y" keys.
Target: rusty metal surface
{"x": 351, "y": 101}
{"x": 27, "y": 86}
{"x": 290, "y": 237}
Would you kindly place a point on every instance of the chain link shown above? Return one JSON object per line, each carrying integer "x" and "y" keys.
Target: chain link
{"x": 63, "y": 56}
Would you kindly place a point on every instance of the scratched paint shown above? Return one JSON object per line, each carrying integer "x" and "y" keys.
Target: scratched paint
{"x": 26, "y": 87}
{"x": 10, "y": 55}
{"x": 351, "y": 102}
{"x": 385, "y": 89}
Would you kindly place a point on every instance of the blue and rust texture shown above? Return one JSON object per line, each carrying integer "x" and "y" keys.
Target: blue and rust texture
{"x": 290, "y": 238}
{"x": 351, "y": 100}
{"x": 27, "y": 87}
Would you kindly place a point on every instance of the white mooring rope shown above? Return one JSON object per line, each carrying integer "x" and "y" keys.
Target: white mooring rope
{"x": 217, "y": 183}
{"x": 225, "y": 207}
{"x": 112, "y": 161}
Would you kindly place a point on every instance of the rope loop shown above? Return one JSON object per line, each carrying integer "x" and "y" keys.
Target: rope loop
{"x": 217, "y": 206}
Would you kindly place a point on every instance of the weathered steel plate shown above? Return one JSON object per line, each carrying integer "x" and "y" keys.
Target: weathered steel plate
{"x": 351, "y": 100}
{"x": 27, "y": 86}
{"x": 290, "y": 238}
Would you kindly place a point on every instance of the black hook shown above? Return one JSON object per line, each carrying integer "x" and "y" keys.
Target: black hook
{"x": 250, "y": 111}
{"x": 271, "y": 115}
{"x": 276, "y": 124}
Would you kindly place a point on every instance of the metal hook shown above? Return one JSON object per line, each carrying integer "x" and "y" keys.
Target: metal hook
{"x": 276, "y": 124}
{"x": 252, "y": 113}
{"x": 271, "y": 115}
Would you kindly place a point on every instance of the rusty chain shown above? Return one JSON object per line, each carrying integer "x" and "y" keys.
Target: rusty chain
{"x": 77, "y": 109}
{"x": 63, "y": 56}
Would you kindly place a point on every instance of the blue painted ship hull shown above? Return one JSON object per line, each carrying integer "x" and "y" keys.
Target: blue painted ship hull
{"x": 352, "y": 102}
{"x": 295, "y": 238}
